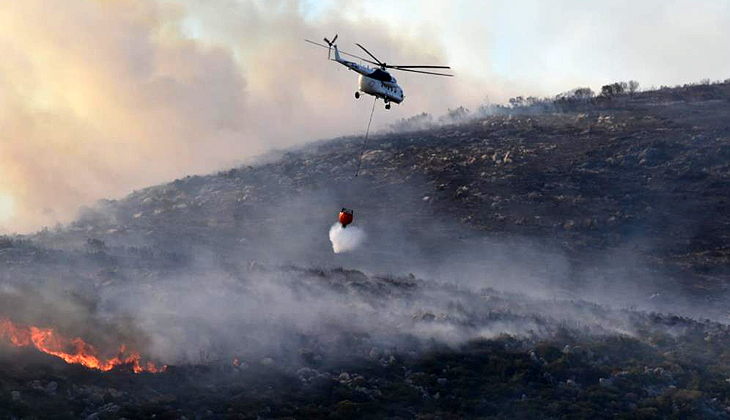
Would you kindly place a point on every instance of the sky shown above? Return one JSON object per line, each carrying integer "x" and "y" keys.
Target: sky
{"x": 102, "y": 97}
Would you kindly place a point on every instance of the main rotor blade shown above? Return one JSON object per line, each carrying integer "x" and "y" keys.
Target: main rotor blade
{"x": 317, "y": 43}
{"x": 424, "y": 72}
{"x": 374, "y": 58}
{"x": 393, "y": 66}
{"x": 344, "y": 53}
{"x": 359, "y": 58}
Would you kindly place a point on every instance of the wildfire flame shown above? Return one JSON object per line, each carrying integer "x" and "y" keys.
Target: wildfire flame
{"x": 74, "y": 351}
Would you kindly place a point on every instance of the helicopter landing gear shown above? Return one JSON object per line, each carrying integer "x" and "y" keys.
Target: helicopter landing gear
{"x": 387, "y": 105}
{"x": 357, "y": 95}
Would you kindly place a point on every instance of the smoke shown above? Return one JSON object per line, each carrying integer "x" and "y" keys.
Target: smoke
{"x": 99, "y": 98}
{"x": 346, "y": 239}
{"x": 218, "y": 301}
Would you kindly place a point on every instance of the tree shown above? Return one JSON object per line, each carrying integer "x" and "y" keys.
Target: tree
{"x": 95, "y": 245}
{"x": 517, "y": 101}
{"x": 583, "y": 93}
{"x": 614, "y": 89}
{"x": 633, "y": 86}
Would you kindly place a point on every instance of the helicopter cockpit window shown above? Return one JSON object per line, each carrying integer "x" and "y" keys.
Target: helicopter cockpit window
{"x": 379, "y": 74}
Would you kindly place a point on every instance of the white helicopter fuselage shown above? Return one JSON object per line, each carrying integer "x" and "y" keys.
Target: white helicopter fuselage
{"x": 375, "y": 82}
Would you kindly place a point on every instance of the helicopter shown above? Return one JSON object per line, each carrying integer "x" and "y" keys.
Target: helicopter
{"x": 375, "y": 81}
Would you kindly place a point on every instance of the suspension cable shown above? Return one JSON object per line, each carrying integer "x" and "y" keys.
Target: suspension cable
{"x": 367, "y": 132}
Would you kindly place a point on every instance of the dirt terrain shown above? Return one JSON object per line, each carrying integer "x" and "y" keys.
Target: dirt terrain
{"x": 535, "y": 262}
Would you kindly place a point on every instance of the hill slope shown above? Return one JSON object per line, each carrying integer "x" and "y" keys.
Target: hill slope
{"x": 644, "y": 178}
{"x": 547, "y": 265}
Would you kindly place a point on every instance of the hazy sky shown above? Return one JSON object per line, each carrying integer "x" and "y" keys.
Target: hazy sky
{"x": 100, "y": 97}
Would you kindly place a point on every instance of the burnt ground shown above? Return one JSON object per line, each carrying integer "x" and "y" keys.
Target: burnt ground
{"x": 526, "y": 264}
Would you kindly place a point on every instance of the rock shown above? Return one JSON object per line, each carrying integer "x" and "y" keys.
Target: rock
{"x": 15, "y": 395}
{"x": 344, "y": 377}
{"x": 604, "y": 360}
{"x": 442, "y": 381}
{"x": 605, "y": 382}
{"x": 306, "y": 373}
{"x": 462, "y": 192}
{"x": 365, "y": 392}
{"x": 374, "y": 353}
{"x": 320, "y": 380}
{"x": 52, "y": 387}
{"x": 114, "y": 393}
{"x": 581, "y": 351}
{"x": 548, "y": 377}
{"x": 108, "y": 408}
{"x": 97, "y": 397}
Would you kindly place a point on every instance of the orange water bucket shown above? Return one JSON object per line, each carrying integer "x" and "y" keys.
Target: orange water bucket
{"x": 345, "y": 217}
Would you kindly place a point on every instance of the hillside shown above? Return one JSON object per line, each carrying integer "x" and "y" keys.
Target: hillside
{"x": 644, "y": 177}
{"x": 525, "y": 264}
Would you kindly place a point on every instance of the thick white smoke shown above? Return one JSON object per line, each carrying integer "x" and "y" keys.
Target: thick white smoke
{"x": 345, "y": 239}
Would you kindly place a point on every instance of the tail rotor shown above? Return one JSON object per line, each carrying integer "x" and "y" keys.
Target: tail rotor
{"x": 330, "y": 43}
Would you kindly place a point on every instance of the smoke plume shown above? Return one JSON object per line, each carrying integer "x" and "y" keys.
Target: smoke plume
{"x": 98, "y": 98}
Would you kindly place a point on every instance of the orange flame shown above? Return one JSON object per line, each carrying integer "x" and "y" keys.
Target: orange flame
{"x": 74, "y": 351}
